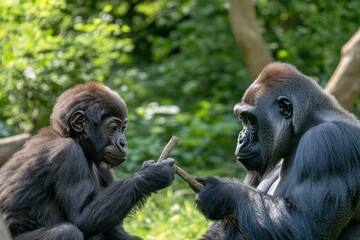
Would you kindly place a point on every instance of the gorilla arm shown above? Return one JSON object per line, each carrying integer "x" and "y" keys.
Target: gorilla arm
{"x": 259, "y": 216}
{"x": 316, "y": 196}
{"x": 93, "y": 208}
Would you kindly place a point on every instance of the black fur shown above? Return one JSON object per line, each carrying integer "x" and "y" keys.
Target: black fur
{"x": 59, "y": 187}
{"x": 316, "y": 192}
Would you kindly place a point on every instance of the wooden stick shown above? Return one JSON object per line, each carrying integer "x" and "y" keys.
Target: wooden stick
{"x": 168, "y": 148}
{"x": 195, "y": 185}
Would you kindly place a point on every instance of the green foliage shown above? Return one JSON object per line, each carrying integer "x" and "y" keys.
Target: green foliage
{"x": 176, "y": 64}
{"x": 309, "y": 34}
{"x": 199, "y": 60}
{"x": 164, "y": 54}
{"x": 169, "y": 214}
{"x": 161, "y": 56}
{"x": 42, "y": 58}
{"x": 203, "y": 136}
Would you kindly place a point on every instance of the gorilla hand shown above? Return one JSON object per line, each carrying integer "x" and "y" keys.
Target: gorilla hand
{"x": 157, "y": 175}
{"x": 215, "y": 200}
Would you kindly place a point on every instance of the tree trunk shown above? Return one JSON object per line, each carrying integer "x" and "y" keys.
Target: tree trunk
{"x": 344, "y": 84}
{"x": 10, "y": 145}
{"x": 248, "y": 36}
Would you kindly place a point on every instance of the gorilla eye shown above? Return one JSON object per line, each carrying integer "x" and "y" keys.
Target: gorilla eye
{"x": 251, "y": 121}
{"x": 112, "y": 128}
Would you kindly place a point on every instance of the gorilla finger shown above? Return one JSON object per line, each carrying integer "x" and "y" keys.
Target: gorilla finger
{"x": 173, "y": 178}
{"x": 169, "y": 161}
{"x": 148, "y": 162}
{"x": 201, "y": 180}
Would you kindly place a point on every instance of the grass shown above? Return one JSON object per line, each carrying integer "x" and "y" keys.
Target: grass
{"x": 168, "y": 214}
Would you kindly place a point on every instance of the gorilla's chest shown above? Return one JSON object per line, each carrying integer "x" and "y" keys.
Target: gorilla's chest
{"x": 270, "y": 180}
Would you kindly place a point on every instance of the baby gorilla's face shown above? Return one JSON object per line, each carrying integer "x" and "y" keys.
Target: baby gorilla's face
{"x": 115, "y": 152}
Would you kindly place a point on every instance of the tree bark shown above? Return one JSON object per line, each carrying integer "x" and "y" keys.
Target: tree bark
{"x": 10, "y": 145}
{"x": 248, "y": 36}
{"x": 344, "y": 84}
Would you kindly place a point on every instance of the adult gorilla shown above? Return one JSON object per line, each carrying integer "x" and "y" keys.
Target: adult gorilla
{"x": 315, "y": 195}
{"x": 59, "y": 186}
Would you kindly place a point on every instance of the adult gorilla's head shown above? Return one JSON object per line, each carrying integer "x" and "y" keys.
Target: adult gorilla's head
{"x": 95, "y": 117}
{"x": 275, "y": 112}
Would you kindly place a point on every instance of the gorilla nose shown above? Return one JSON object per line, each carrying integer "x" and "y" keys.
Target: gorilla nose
{"x": 122, "y": 144}
{"x": 241, "y": 137}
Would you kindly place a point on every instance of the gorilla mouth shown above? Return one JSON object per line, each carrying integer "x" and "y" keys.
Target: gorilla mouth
{"x": 114, "y": 160}
{"x": 242, "y": 158}
{"x": 250, "y": 162}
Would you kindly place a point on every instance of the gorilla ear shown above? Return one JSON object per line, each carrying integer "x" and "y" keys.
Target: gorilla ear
{"x": 285, "y": 106}
{"x": 77, "y": 121}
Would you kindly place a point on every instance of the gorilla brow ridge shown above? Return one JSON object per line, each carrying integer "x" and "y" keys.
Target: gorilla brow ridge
{"x": 251, "y": 93}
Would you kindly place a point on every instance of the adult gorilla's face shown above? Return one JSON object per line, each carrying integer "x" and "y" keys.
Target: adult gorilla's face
{"x": 248, "y": 150}
{"x": 267, "y": 129}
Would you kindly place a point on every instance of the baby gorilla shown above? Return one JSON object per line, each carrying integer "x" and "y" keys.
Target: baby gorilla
{"x": 59, "y": 186}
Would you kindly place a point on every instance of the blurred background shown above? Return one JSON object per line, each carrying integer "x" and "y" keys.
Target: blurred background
{"x": 180, "y": 65}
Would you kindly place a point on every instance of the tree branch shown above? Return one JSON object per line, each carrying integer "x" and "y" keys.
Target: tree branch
{"x": 179, "y": 171}
{"x": 344, "y": 84}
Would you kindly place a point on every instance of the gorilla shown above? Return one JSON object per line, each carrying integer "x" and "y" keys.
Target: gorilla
{"x": 302, "y": 153}
{"x": 59, "y": 186}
